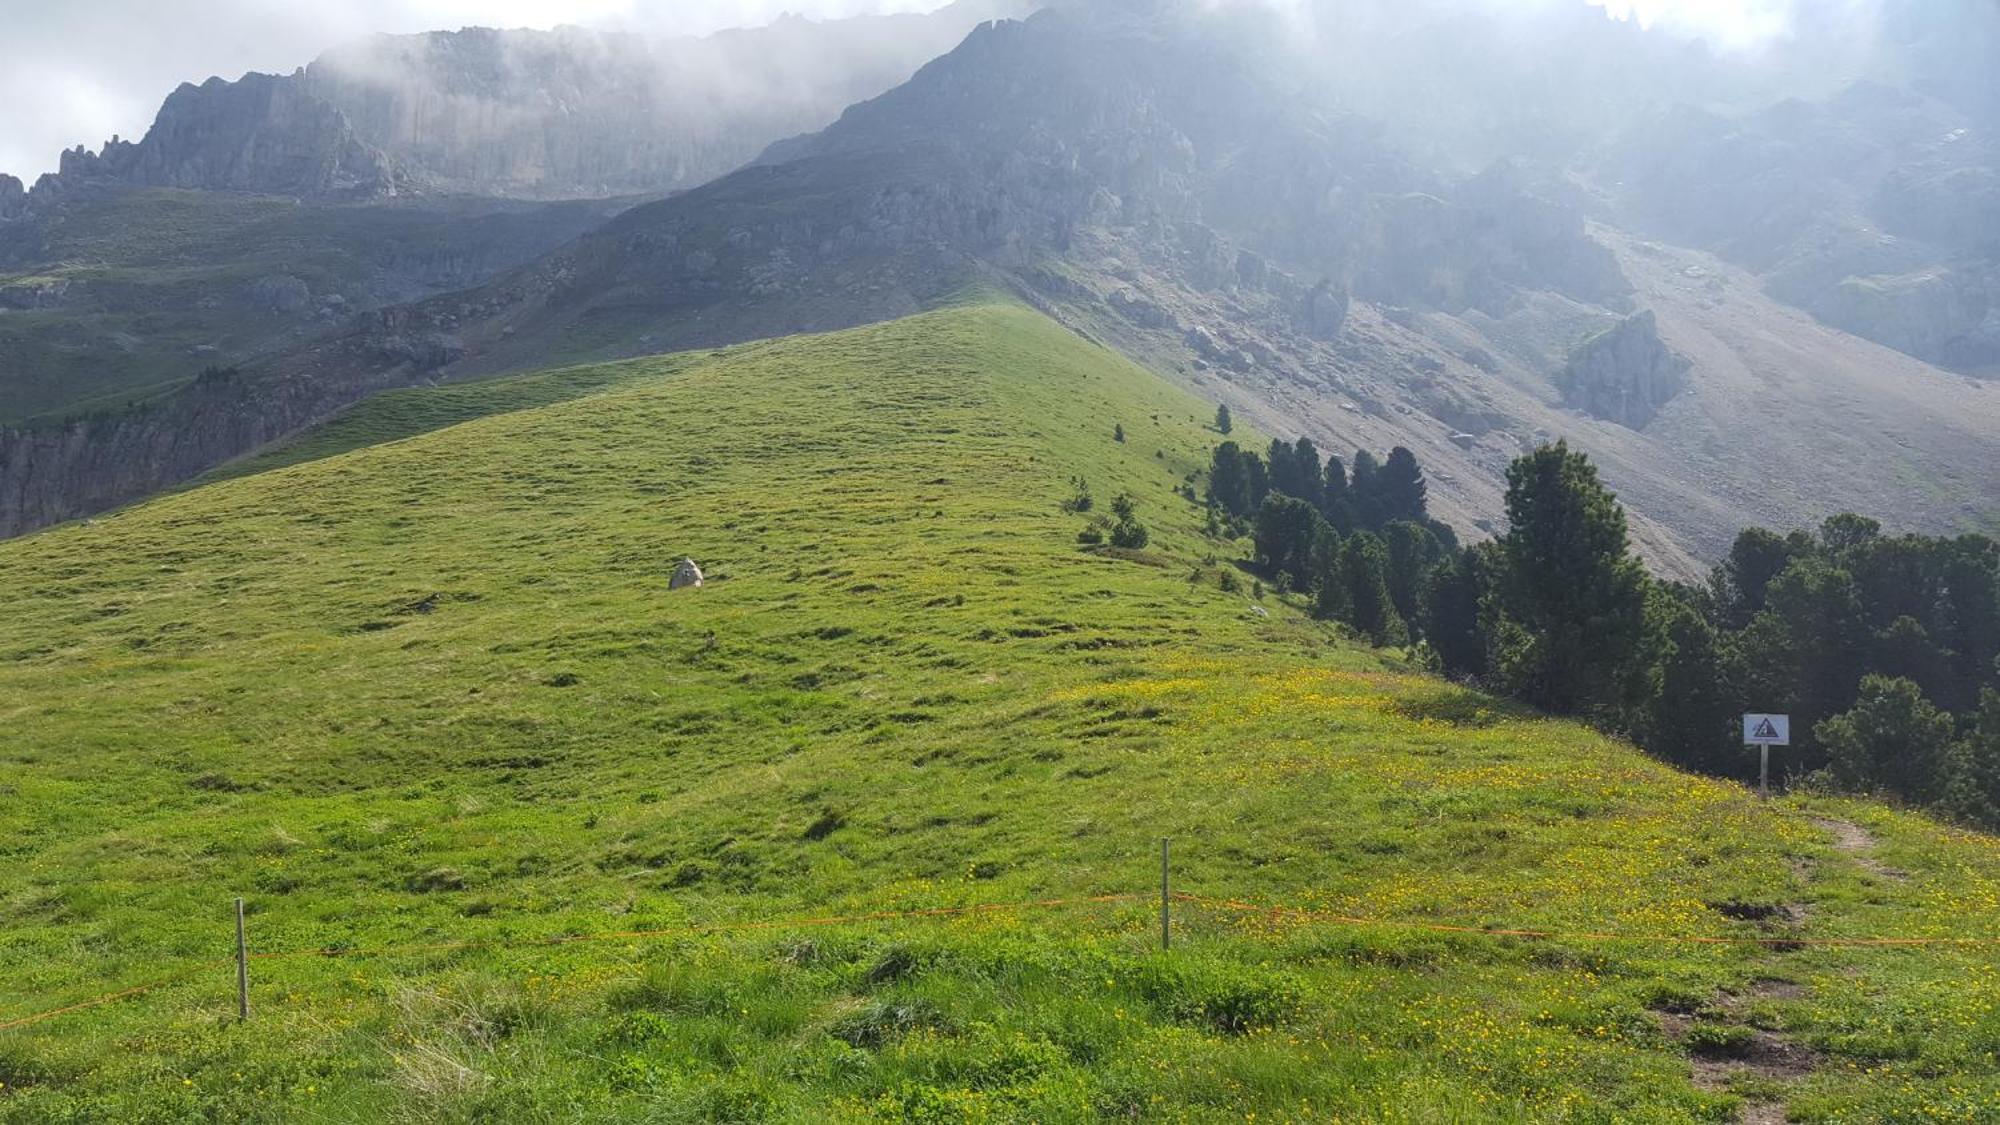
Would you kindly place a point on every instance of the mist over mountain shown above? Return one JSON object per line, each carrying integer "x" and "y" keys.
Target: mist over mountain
{"x": 563, "y": 114}
{"x": 1463, "y": 227}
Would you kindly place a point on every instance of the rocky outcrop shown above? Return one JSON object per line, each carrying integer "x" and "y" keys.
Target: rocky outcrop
{"x": 62, "y": 470}
{"x": 1941, "y": 315}
{"x": 1624, "y": 374}
{"x": 1322, "y": 312}
{"x": 1481, "y": 246}
{"x": 531, "y": 115}
{"x": 263, "y": 134}
{"x": 13, "y": 198}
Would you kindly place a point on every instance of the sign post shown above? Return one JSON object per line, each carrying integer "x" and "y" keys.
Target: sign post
{"x": 1764, "y": 732}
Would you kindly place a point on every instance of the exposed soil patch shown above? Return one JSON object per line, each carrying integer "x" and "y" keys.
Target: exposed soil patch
{"x": 1720, "y": 1048}
{"x": 1769, "y": 916}
{"x": 1769, "y": 989}
{"x": 1858, "y": 844}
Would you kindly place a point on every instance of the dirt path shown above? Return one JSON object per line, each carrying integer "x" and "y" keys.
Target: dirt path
{"x": 1769, "y": 1056}
{"x": 1753, "y": 1052}
{"x": 1857, "y": 844}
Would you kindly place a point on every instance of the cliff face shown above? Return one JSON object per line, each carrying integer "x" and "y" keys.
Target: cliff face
{"x": 64, "y": 470}
{"x": 526, "y": 115}
{"x": 263, "y": 134}
{"x": 1626, "y": 374}
{"x": 573, "y": 113}
{"x": 13, "y": 197}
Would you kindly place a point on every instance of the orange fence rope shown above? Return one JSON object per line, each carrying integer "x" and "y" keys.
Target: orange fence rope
{"x": 1235, "y": 905}
{"x": 1330, "y": 918}
{"x": 574, "y": 939}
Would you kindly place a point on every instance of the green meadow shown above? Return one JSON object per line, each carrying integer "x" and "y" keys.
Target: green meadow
{"x": 416, "y": 689}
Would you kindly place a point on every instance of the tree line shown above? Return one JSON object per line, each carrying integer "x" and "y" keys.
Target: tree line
{"x": 1884, "y": 649}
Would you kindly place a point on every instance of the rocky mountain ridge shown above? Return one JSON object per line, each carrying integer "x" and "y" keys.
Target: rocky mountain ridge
{"x": 527, "y": 115}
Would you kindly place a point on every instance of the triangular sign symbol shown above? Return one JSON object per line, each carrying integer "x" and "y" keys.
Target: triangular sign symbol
{"x": 1765, "y": 730}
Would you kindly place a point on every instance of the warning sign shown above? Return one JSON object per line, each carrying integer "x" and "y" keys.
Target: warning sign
{"x": 1767, "y": 730}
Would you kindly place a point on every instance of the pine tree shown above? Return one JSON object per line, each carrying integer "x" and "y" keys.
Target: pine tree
{"x": 1284, "y": 475}
{"x": 1223, "y": 423}
{"x": 1228, "y": 480}
{"x": 1118, "y": 433}
{"x": 1968, "y": 616}
{"x": 1365, "y": 563}
{"x": 1128, "y": 533}
{"x": 1573, "y": 594}
{"x": 1757, "y": 557}
{"x": 1413, "y": 550}
{"x": 1312, "y": 483}
{"x": 1972, "y": 771}
{"x": 1362, "y": 493}
{"x": 1334, "y": 502}
{"x": 1329, "y": 576}
{"x": 1808, "y": 646}
{"x": 1455, "y": 594}
{"x": 1287, "y": 528}
{"x": 1893, "y": 738}
{"x": 1400, "y": 489}
{"x": 1689, "y": 713}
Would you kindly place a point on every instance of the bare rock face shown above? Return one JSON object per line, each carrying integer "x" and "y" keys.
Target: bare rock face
{"x": 1625, "y": 374}
{"x": 1322, "y": 312}
{"x": 13, "y": 197}
{"x": 65, "y": 468}
{"x": 536, "y": 115}
{"x": 262, "y": 134}
{"x": 278, "y": 294}
{"x": 1942, "y": 315}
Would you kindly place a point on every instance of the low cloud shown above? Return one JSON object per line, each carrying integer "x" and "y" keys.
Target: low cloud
{"x": 79, "y": 72}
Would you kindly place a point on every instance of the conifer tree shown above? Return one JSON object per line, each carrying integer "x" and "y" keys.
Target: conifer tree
{"x": 1362, "y": 493}
{"x": 1455, "y": 596}
{"x": 1335, "y": 502}
{"x": 1364, "y": 564}
{"x": 1573, "y": 593}
{"x": 1689, "y": 714}
{"x": 1400, "y": 489}
{"x": 1413, "y": 550}
{"x": 1287, "y": 529}
{"x": 1893, "y": 737}
{"x": 1228, "y": 479}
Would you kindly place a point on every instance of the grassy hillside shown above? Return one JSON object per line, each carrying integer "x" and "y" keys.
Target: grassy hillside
{"x": 426, "y": 701}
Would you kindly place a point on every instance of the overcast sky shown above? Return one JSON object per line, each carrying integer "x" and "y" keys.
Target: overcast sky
{"x": 78, "y": 71}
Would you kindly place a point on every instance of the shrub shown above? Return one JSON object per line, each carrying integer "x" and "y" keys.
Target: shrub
{"x": 1130, "y": 535}
{"x": 1080, "y": 501}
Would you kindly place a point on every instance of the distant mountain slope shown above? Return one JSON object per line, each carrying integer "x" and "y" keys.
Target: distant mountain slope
{"x": 431, "y": 708}
{"x": 127, "y": 293}
{"x": 563, "y": 114}
{"x": 1877, "y": 210}
{"x": 258, "y": 214}
{"x": 1149, "y": 172}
